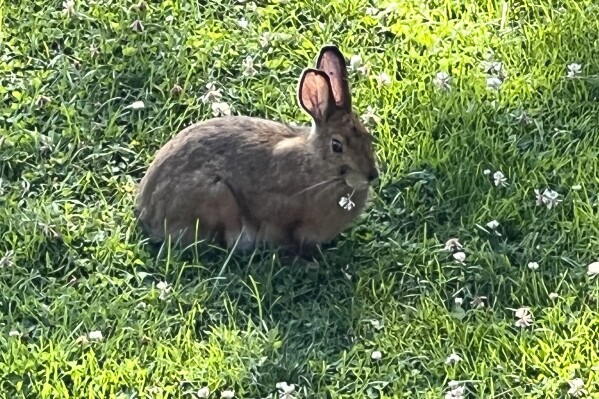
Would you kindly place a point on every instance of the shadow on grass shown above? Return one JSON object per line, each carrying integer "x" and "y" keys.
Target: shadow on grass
{"x": 312, "y": 308}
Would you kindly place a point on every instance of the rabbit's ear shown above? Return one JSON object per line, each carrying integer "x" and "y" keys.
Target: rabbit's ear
{"x": 314, "y": 94}
{"x": 333, "y": 63}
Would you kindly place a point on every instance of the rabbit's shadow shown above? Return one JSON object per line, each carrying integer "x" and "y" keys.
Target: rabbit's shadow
{"x": 309, "y": 304}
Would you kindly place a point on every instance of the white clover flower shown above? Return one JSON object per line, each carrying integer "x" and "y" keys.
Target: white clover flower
{"x": 442, "y": 80}
{"x": 548, "y": 198}
{"x": 95, "y": 335}
{"x": 453, "y": 358}
{"x": 460, "y": 257}
{"x": 533, "y": 265}
{"x": 493, "y": 224}
{"x": 212, "y": 95}
{"x": 14, "y": 333}
{"x": 493, "y": 83}
{"x": 376, "y": 355}
{"x": 593, "y": 269}
{"x": 285, "y": 390}
{"x": 524, "y": 317}
{"x": 451, "y": 244}
{"x": 248, "y": 66}
{"x": 68, "y": 8}
{"x": 369, "y": 116}
{"x": 203, "y": 392}
{"x": 574, "y": 69}
{"x": 577, "y": 388}
{"x": 227, "y": 394}
{"x": 243, "y": 23}
{"x": 221, "y": 109}
{"x": 6, "y": 259}
{"x": 346, "y": 203}
{"x": 487, "y": 172}
{"x": 456, "y": 392}
{"x": 458, "y": 301}
{"x": 137, "y": 105}
{"x": 539, "y": 197}
{"x": 499, "y": 179}
{"x": 551, "y": 198}
{"x": 355, "y": 62}
{"x": 384, "y": 79}
{"x": 553, "y": 295}
{"x": 164, "y": 288}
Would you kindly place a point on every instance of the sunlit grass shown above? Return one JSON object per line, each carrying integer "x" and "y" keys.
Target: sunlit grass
{"x": 73, "y": 261}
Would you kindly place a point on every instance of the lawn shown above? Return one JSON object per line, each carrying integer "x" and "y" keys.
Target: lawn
{"x": 486, "y": 123}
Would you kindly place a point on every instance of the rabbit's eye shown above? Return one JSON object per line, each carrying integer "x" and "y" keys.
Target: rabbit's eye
{"x": 336, "y": 146}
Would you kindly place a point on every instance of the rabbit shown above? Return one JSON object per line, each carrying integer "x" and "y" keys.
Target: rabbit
{"x": 238, "y": 181}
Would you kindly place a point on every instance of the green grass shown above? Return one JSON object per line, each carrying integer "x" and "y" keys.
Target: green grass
{"x": 74, "y": 260}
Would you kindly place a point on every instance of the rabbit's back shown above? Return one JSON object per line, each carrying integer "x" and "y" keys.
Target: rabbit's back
{"x": 226, "y": 172}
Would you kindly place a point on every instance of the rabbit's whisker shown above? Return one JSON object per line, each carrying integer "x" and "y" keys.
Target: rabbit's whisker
{"x": 316, "y": 185}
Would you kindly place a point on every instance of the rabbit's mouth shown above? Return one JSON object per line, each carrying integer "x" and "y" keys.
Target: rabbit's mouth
{"x": 356, "y": 181}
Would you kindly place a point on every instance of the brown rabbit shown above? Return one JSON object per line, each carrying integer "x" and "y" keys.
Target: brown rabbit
{"x": 242, "y": 180}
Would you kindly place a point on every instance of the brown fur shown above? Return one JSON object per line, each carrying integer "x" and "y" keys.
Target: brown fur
{"x": 258, "y": 180}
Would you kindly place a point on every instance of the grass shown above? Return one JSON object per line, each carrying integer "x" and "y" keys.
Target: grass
{"x": 74, "y": 261}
